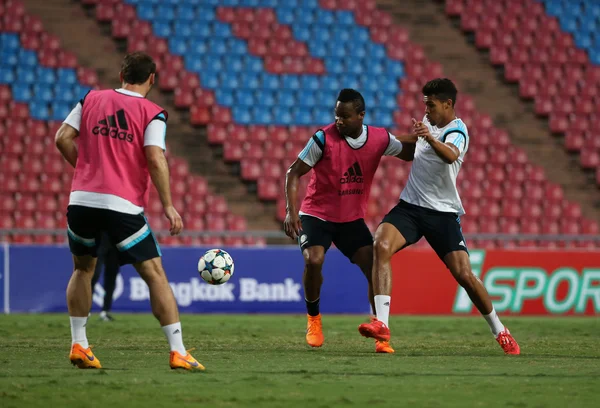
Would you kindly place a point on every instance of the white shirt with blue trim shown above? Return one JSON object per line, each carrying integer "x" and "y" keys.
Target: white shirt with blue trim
{"x": 432, "y": 182}
{"x": 154, "y": 135}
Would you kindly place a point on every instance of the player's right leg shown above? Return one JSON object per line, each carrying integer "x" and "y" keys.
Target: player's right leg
{"x": 83, "y": 243}
{"x": 397, "y": 230}
{"x": 137, "y": 245}
{"x": 111, "y": 271}
{"x": 314, "y": 239}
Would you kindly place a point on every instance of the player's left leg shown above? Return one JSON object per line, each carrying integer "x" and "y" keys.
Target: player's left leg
{"x": 355, "y": 241}
{"x": 444, "y": 234}
{"x": 83, "y": 243}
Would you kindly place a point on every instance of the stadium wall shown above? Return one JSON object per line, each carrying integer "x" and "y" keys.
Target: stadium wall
{"x": 269, "y": 280}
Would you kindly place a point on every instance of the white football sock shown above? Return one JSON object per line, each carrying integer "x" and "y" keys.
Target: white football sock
{"x": 493, "y": 320}
{"x": 78, "y": 331}
{"x": 382, "y": 306}
{"x": 173, "y": 333}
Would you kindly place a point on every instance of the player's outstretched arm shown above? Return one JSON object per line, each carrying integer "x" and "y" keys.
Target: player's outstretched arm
{"x": 292, "y": 224}
{"x": 159, "y": 172}
{"x": 65, "y": 142}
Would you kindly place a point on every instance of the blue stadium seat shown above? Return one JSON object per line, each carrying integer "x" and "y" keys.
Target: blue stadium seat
{"x": 66, "y": 76}
{"x": 221, "y": 29}
{"x": 145, "y": 11}
{"x": 249, "y": 3}
{"x": 161, "y": 29}
{"x": 60, "y": 111}
{"x": 345, "y": 18}
{"x": 285, "y": 98}
{"x": 66, "y": 95}
{"x": 321, "y": 116}
{"x": 193, "y": 62}
{"x": 266, "y": 97}
{"x": 9, "y": 58}
{"x": 44, "y": 93}
{"x": 22, "y": 92}
{"x": 9, "y": 41}
{"x": 394, "y": 68}
{"x": 178, "y": 46}
{"x": 229, "y": 3}
{"x": 27, "y": 75}
{"x": 205, "y": 14}
{"x": 324, "y": 17}
{"x": 250, "y": 80}
{"x": 28, "y": 58}
{"x": 317, "y": 49}
{"x": 253, "y": 64}
{"x": 39, "y": 110}
{"x": 307, "y": 16}
{"x": 198, "y": 46}
{"x": 237, "y": 47}
{"x": 270, "y": 81}
{"x": 333, "y": 65}
{"x": 245, "y": 97}
{"x": 310, "y": 82}
{"x": 241, "y": 115}
{"x": 261, "y": 115}
{"x": 306, "y": 97}
{"x": 290, "y": 82}
{"x": 229, "y": 81}
{"x": 302, "y": 117}
{"x": 320, "y": 34}
{"x": 224, "y": 96}
{"x": 217, "y": 46}
{"x": 164, "y": 12}
{"x": 233, "y": 63}
{"x": 330, "y": 83}
{"x": 285, "y": 15}
{"x": 282, "y": 116}
{"x": 186, "y": 29}
{"x": 185, "y": 12}
{"x": 209, "y": 79}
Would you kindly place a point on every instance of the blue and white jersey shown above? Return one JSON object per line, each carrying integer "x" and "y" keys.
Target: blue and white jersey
{"x": 432, "y": 182}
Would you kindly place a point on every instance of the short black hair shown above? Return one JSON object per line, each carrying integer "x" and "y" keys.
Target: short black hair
{"x": 442, "y": 89}
{"x": 351, "y": 95}
{"x": 137, "y": 68}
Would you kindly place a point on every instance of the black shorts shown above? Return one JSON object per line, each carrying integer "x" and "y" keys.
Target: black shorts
{"x": 441, "y": 229}
{"x": 130, "y": 234}
{"x": 347, "y": 236}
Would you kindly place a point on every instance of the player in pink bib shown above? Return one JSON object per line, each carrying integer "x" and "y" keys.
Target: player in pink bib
{"x": 344, "y": 157}
{"x": 120, "y": 150}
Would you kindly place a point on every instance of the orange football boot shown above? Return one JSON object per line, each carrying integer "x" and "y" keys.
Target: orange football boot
{"x": 83, "y": 358}
{"x": 314, "y": 331}
{"x": 186, "y": 362}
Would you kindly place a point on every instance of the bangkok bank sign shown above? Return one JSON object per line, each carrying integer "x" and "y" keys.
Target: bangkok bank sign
{"x": 519, "y": 282}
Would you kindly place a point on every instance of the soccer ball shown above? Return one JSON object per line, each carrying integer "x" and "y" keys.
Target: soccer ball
{"x": 215, "y": 266}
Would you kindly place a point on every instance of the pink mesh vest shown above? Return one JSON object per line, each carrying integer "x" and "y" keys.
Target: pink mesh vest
{"x": 340, "y": 182}
{"x": 111, "y": 158}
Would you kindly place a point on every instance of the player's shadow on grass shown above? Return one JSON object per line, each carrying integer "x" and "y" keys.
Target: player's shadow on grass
{"x": 417, "y": 374}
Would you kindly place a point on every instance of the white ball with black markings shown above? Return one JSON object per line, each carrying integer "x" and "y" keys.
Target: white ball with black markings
{"x": 216, "y": 266}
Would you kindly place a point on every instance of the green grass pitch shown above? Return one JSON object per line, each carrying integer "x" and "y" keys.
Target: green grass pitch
{"x": 263, "y": 361}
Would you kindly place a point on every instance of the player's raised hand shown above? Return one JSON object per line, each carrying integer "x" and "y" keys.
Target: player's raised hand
{"x": 175, "y": 220}
{"x": 292, "y": 225}
{"x": 422, "y": 131}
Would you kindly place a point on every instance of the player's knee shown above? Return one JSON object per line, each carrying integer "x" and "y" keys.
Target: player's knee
{"x": 464, "y": 276}
{"x": 313, "y": 259}
{"x": 383, "y": 248}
